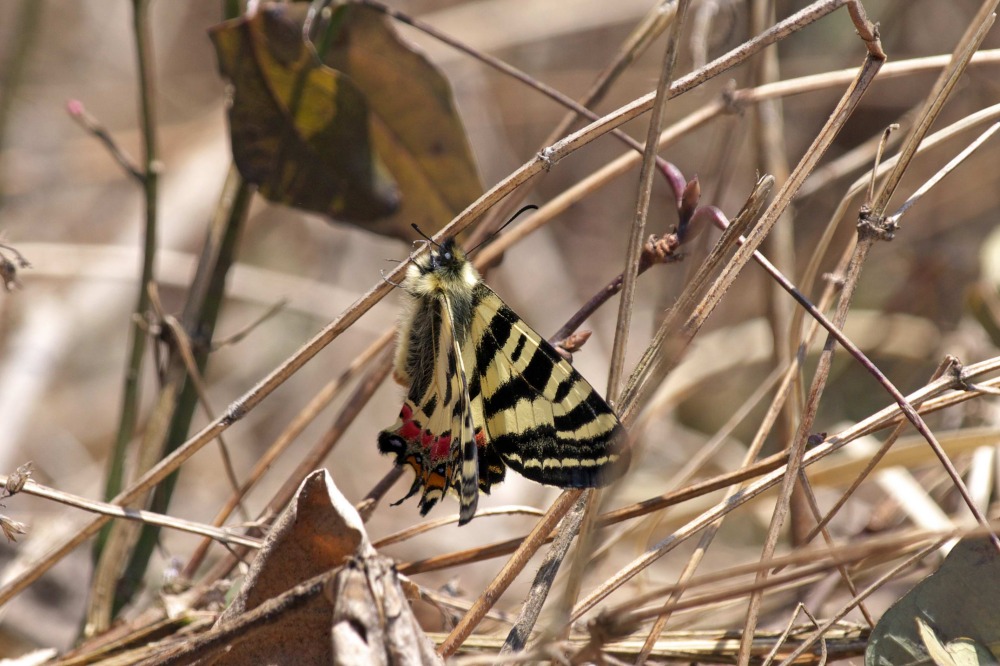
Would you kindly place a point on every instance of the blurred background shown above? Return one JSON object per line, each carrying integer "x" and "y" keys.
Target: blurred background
{"x": 73, "y": 212}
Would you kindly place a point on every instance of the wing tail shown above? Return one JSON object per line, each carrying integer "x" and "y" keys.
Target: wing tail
{"x": 467, "y": 473}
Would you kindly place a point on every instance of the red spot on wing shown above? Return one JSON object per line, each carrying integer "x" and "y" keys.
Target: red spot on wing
{"x": 480, "y": 438}
{"x": 410, "y": 428}
{"x": 441, "y": 447}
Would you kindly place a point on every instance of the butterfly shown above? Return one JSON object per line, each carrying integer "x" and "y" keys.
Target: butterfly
{"x": 486, "y": 392}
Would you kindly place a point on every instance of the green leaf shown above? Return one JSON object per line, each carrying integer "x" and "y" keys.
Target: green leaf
{"x": 958, "y": 606}
{"x": 959, "y": 652}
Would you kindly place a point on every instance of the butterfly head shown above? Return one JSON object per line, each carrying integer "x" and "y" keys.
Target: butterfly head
{"x": 446, "y": 257}
{"x": 444, "y": 268}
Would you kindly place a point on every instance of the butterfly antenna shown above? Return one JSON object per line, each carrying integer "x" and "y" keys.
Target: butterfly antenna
{"x": 423, "y": 235}
{"x": 504, "y": 226}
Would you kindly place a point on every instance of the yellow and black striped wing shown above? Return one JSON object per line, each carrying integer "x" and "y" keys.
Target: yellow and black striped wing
{"x": 539, "y": 415}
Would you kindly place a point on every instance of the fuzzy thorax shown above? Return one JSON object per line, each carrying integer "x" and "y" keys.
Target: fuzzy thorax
{"x": 442, "y": 275}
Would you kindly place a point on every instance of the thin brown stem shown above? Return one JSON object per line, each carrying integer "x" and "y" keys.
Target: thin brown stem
{"x": 544, "y": 578}
{"x": 867, "y": 592}
{"x": 638, "y": 228}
